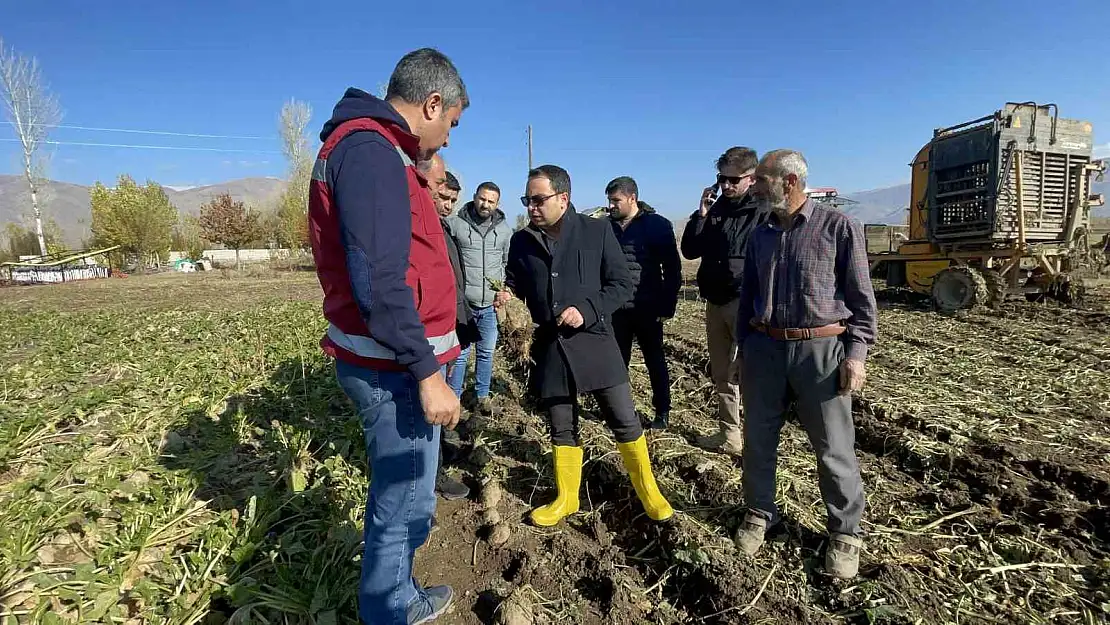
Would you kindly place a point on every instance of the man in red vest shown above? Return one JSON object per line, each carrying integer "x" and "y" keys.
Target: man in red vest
{"x": 389, "y": 298}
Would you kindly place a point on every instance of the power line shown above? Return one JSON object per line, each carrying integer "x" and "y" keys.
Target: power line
{"x": 150, "y": 147}
{"x": 155, "y": 132}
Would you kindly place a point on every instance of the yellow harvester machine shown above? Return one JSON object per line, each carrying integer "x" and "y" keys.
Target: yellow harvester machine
{"x": 1000, "y": 206}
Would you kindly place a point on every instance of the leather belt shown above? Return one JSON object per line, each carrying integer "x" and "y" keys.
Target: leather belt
{"x": 800, "y": 334}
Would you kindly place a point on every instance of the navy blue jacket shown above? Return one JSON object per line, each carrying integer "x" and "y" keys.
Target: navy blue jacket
{"x": 376, "y": 226}
{"x": 651, "y": 250}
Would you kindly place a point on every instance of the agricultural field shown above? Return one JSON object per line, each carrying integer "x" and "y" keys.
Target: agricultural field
{"x": 174, "y": 449}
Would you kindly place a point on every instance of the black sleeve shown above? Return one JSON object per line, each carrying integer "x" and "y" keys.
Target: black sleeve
{"x": 616, "y": 281}
{"x": 667, "y": 250}
{"x": 512, "y": 265}
{"x": 691, "y": 237}
{"x": 748, "y": 287}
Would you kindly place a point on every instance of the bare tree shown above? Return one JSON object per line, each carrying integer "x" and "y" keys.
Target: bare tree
{"x": 293, "y": 120}
{"x": 33, "y": 111}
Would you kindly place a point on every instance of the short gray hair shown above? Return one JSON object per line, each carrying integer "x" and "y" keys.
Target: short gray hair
{"x": 421, "y": 73}
{"x": 784, "y": 162}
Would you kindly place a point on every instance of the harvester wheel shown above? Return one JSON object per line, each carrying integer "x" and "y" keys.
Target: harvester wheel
{"x": 957, "y": 288}
{"x": 1067, "y": 289}
{"x": 996, "y": 287}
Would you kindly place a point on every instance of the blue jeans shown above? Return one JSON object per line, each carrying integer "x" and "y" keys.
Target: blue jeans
{"x": 403, "y": 450}
{"x": 486, "y": 319}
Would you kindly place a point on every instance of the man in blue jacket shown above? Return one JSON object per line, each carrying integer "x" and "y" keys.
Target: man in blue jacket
{"x": 389, "y": 299}
{"x": 647, "y": 239}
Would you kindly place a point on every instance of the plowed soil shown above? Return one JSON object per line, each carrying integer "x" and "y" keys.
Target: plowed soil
{"x": 176, "y": 450}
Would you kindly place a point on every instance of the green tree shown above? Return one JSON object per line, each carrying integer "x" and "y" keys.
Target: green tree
{"x": 138, "y": 218}
{"x": 291, "y": 218}
{"x": 229, "y": 223}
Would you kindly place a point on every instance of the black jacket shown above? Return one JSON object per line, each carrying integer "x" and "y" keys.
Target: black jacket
{"x": 588, "y": 272}
{"x": 720, "y": 245}
{"x": 466, "y": 327}
{"x": 652, "y": 254}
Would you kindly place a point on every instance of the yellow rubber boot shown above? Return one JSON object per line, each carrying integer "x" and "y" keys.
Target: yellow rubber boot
{"x": 568, "y": 478}
{"x": 638, "y": 465}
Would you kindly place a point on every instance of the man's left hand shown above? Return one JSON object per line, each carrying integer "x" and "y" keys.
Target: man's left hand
{"x": 852, "y": 376}
{"x": 570, "y": 317}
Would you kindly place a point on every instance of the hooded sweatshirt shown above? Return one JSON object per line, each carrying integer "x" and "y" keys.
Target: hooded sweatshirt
{"x": 389, "y": 290}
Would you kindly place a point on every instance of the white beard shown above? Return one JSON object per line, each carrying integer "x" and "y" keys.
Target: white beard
{"x": 780, "y": 208}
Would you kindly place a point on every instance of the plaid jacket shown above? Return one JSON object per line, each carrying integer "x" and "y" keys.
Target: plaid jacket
{"x": 812, "y": 274}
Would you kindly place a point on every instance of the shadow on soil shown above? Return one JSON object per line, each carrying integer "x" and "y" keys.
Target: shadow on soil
{"x": 287, "y": 457}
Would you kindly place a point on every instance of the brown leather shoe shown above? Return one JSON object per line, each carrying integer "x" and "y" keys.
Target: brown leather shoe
{"x": 842, "y": 556}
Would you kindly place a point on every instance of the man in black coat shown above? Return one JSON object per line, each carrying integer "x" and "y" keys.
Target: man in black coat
{"x": 572, "y": 275}
{"x": 717, "y": 233}
{"x": 647, "y": 239}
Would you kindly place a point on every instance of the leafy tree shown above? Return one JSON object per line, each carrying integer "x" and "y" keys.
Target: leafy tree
{"x": 229, "y": 223}
{"x": 138, "y": 218}
{"x": 290, "y": 221}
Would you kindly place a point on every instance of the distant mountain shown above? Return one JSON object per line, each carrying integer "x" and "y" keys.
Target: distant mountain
{"x": 880, "y": 206}
{"x": 65, "y": 203}
{"x": 68, "y": 204}
{"x": 889, "y": 205}
{"x": 260, "y": 193}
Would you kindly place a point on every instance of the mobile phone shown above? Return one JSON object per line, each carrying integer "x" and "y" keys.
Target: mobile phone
{"x": 716, "y": 191}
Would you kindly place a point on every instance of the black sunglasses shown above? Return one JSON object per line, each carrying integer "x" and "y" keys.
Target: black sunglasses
{"x": 721, "y": 178}
{"x": 536, "y": 200}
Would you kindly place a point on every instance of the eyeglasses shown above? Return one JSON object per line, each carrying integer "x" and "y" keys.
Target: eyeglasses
{"x": 536, "y": 200}
{"x": 721, "y": 178}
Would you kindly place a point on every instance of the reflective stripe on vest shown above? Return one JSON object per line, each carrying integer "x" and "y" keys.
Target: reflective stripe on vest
{"x": 320, "y": 168}
{"x": 369, "y": 348}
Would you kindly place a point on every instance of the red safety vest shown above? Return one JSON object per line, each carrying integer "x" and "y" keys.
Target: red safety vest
{"x": 429, "y": 274}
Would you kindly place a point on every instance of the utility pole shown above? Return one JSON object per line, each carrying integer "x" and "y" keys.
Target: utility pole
{"x": 529, "y": 147}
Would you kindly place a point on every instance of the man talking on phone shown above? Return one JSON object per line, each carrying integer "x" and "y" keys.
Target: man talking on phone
{"x": 717, "y": 233}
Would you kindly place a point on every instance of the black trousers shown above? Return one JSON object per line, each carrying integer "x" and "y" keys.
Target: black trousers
{"x": 648, "y": 332}
{"x": 616, "y": 408}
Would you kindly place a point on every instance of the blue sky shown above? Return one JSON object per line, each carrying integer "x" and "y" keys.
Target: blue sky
{"x": 655, "y": 90}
